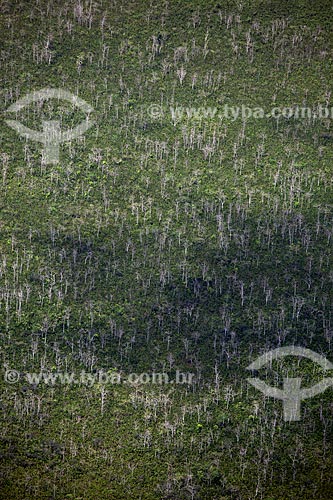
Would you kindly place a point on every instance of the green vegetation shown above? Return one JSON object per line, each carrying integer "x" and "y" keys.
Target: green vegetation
{"x": 161, "y": 243}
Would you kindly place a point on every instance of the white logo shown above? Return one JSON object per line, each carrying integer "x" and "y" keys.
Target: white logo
{"x": 51, "y": 136}
{"x": 292, "y": 394}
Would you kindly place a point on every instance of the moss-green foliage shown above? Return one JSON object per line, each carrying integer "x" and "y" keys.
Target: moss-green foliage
{"x": 158, "y": 244}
